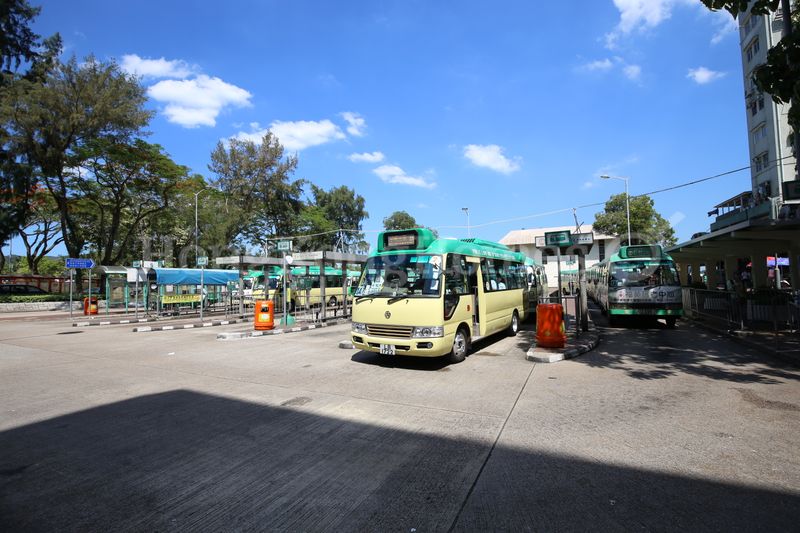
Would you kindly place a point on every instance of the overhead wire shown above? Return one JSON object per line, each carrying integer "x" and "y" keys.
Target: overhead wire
{"x": 543, "y": 214}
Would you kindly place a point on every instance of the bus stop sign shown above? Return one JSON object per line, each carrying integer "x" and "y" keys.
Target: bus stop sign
{"x": 284, "y": 246}
{"x": 557, "y": 238}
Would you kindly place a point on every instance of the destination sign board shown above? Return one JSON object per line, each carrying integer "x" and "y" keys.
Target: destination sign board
{"x": 79, "y": 262}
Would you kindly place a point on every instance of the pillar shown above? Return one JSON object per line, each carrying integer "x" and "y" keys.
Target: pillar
{"x": 758, "y": 261}
{"x": 731, "y": 264}
{"x": 794, "y": 267}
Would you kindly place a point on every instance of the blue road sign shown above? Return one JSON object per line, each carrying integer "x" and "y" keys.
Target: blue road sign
{"x": 79, "y": 262}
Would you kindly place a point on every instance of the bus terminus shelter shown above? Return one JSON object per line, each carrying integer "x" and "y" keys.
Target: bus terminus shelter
{"x": 307, "y": 259}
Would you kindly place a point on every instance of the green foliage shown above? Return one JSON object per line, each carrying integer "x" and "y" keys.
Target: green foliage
{"x": 647, "y": 225}
{"x": 53, "y": 122}
{"x": 338, "y": 209}
{"x": 33, "y": 298}
{"x": 46, "y": 266}
{"x": 120, "y": 184}
{"x": 18, "y": 44}
{"x": 258, "y": 179}
{"x": 400, "y": 220}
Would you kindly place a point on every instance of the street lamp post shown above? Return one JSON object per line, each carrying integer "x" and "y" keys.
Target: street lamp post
{"x": 196, "y": 232}
{"x": 469, "y": 231}
{"x": 627, "y": 202}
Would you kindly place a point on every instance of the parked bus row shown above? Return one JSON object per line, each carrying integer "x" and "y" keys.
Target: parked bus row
{"x": 423, "y": 296}
{"x": 303, "y": 289}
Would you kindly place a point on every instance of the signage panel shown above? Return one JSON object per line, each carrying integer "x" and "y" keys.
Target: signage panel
{"x": 583, "y": 238}
{"x": 202, "y": 261}
{"x": 79, "y": 262}
{"x": 557, "y": 238}
{"x": 284, "y": 246}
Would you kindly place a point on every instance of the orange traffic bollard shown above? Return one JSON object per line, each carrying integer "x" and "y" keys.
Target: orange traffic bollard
{"x": 264, "y": 315}
{"x": 90, "y": 306}
{"x": 550, "y": 326}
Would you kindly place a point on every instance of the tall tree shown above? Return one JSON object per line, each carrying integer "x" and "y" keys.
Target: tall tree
{"x": 119, "y": 185}
{"x": 343, "y": 210}
{"x": 258, "y": 179}
{"x": 53, "y": 120}
{"x": 19, "y": 45}
{"x": 780, "y": 75}
{"x": 647, "y": 225}
{"x": 400, "y": 220}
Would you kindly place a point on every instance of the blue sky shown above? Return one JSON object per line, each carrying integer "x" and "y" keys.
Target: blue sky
{"x": 512, "y": 109}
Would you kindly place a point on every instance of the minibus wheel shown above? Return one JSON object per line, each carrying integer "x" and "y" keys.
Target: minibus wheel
{"x": 460, "y": 346}
{"x": 513, "y": 328}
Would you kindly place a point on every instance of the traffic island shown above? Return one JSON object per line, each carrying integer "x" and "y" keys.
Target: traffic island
{"x": 236, "y": 335}
{"x": 573, "y": 347}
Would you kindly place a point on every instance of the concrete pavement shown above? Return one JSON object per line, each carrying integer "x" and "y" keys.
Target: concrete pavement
{"x": 104, "y": 429}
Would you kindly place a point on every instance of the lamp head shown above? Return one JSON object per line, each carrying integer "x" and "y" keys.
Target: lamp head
{"x": 605, "y": 177}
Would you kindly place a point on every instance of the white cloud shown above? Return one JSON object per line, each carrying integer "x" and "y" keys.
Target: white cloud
{"x": 197, "y": 102}
{"x": 491, "y": 156}
{"x": 702, "y": 75}
{"x": 155, "y": 68}
{"x": 395, "y": 174}
{"x": 588, "y": 185}
{"x": 726, "y": 25}
{"x": 632, "y": 72}
{"x": 297, "y": 135}
{"x": 598, "y": 65}
{"x": 355, "y": 123}
{"x": 301, "y": 134}
{"x": 641, "y": 15}
{"x": 367, "y": 157}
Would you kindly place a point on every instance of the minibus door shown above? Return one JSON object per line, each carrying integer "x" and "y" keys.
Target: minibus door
{"x": 474, "y": 283}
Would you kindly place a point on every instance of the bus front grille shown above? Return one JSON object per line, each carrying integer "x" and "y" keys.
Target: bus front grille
{"x": 398, "y": 332}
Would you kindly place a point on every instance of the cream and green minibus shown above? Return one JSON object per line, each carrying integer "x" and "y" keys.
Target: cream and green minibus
{"x": 423, "y": 296}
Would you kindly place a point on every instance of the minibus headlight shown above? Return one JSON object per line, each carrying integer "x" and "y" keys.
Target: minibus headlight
{"x": 428, "y": 331}
{"x": 359, "y": 327}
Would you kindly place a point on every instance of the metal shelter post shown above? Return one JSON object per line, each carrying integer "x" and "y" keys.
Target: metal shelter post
{"x": 322, "y": 287}
{"x": 345, "y": 278}
{"x": 584, "y": 304}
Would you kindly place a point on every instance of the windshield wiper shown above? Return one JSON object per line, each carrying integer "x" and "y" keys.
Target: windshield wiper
{"x": 397, "y": 298}
{"x": 366, "y": 296}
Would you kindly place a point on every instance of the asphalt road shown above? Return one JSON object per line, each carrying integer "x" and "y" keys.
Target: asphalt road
{"x": 104, "y": 429}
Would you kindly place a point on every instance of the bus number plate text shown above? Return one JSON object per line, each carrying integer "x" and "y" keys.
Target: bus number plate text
{"x": 387, "y": 349}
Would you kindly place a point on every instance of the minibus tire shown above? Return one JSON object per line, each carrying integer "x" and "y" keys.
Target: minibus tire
{"x": 513, "y": 328}
{"x": 460, "y": 346}
{"x": 671, "y": 321}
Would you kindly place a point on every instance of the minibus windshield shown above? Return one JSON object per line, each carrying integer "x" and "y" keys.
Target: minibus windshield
{"x": 643, "y": 274}
{"x": 401, "y": 275}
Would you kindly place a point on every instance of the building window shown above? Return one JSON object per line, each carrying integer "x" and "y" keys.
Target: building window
{"x": 760, "y": 133}
{"x": 753, "y": 50}
{"x": 544, "y": 257}
{"x": 761, "y": 162}
{"x": 601, "y": 250}
{"x": 749, "y": 24}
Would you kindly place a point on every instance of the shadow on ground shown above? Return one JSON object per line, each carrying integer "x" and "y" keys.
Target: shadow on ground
{"x": 184, "y": 461}
{"x": 647, "y": 350}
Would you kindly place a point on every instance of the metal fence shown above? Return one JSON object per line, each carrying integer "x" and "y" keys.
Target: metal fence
{"x": 758, "y": 310}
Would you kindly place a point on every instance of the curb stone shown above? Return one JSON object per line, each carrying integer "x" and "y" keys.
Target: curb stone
{"x": 185, "y": 326}
{"x": 575, "y": 347}
{"x": 236, "y": 335}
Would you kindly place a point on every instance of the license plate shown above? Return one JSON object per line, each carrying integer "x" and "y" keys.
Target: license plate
{"x": 387, "y": 349}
